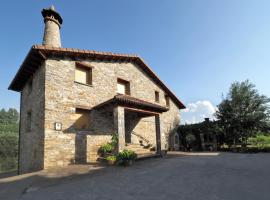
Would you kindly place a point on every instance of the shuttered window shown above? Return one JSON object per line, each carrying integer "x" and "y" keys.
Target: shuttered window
{"x": 83, "y": 75}
{"x": 123, "y": 87}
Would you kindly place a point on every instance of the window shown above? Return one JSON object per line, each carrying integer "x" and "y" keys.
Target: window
{"x": 157, "y": 96}
{"x": 123, "y": 87}
{"x": 83, "y": 73}
{"x": 28, "y": 121}
{"x": 167, "y": 99}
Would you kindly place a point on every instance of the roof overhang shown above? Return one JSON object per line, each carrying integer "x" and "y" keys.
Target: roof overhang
{"x": 39, "y": 53}
{"x": 132, "y": 103}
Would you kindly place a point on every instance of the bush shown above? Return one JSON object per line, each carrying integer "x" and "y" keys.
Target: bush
{"x": 190, "y": 138}
{"x": 110, "y": 158}
{"x": 114, "y": 139}
{"x": 8, "y": 144}
{"x": 8, "y": 164}
{"x": 109, "y": 147}
{"x": 125, "y": 157}
{"x": 261, "y": 141}
{"x": 106, "y": 148}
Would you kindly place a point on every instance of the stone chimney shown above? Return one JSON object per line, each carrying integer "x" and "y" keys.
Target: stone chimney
{"x": 53, "y": 22}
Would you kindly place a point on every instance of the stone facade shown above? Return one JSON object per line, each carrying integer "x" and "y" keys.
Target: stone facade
{"x": 63, "y": 95}
{"x": 31, "y": 152}
{"x": 52, "y": 97}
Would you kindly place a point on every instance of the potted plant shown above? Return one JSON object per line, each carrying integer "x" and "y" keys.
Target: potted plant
{"x": 126, "y": 157}
{"x": 111, "y": 160}
{"x": 105, "y": 149}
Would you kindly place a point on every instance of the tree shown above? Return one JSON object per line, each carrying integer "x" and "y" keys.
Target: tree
{"x": 9, "y": 128}
{"x": 243, "y": 112}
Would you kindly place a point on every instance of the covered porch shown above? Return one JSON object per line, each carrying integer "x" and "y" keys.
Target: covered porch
{"x": 137, "y": 123}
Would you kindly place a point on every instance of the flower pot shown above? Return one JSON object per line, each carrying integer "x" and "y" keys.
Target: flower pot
{"x": 111, "y": 162}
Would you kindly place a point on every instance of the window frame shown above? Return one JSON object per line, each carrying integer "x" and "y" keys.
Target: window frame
{"x": 167, "y": 100}
{"x": 89, "y": 72}
{"x": 157, "y": 99}
{"x": 127, "y": 86}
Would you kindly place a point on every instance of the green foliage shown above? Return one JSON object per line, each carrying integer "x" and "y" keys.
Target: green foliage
{"x": 261, "y": 141}
{"x": 243, "y": 113}
{"x": 125, "y": 156}
{"x": 9, "y": 117}
{"x": 189, "y": 134}
{"x": 190, "y": 138}
{"x": 110, "y": 158}
{"x": 109, "y": 147}
{"x": 8, "y": 164}
{"x": 106, "y": 148}
{"x": 9, "y": 144}
{"x": 9, "y": 137}
{"x": 114, "y": 139}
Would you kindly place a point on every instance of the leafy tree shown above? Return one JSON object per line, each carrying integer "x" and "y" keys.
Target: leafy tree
{"x": 243, "y": 112}
{"x": 10, "y": 116}
{"x": 9, "y": 127}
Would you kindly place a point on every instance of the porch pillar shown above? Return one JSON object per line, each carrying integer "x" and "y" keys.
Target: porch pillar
{"x": 158, "y": 134}
{"x": 119, "y": 126}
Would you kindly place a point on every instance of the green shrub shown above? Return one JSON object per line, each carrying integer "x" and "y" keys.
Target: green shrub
{"x": 114, "y": 139}
{"x": 8, "y": 144}
{"x": 106, "y": 148}
{"x": 125, "y": 156}
{"x": 8, "y": 164}
{"x": 261, "y": 141}
{"x": 110, "y": 158}
{"x": 190, "y": 138}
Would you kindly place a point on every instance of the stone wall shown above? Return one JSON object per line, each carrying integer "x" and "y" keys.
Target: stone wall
{"x": 31, "y": 144}
{"x": 63, "y": 95}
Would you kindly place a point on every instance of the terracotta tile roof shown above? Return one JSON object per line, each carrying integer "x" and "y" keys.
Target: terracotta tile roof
{"x": 129, "y": 101}
{"x": 39, "y": 53}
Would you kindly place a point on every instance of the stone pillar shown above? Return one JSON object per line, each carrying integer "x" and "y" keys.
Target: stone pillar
{"x": 158, "y": 134}
{"x": 119, "y": 126}
{"x": 53, "y": 23}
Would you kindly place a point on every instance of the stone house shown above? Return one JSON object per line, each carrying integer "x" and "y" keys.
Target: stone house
{"x": 72, "y": 100}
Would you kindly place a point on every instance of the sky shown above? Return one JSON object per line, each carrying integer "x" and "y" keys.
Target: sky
{"x": 198, "y": 48}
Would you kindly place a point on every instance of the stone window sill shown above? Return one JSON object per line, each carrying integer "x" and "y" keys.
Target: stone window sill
{"x": 90, "y": 85}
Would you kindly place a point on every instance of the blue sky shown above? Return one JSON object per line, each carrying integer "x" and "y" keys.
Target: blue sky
{"x": 198, "y": 48}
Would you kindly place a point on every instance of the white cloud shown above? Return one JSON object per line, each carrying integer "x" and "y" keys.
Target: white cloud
{"x": 196, "y": 112}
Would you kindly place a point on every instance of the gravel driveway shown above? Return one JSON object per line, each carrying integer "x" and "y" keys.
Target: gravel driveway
{"x": 194, "y": 177}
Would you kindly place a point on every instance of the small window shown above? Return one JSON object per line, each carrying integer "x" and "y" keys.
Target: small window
{"x": 167, "y": 99}
{"x": 29, "y": 121}
{"x": 123, "y": 87}
{"x": 157, "y": 96}
{"x": 83, "y": 74}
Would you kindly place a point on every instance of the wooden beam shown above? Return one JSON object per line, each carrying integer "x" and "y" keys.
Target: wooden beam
{"x": 141, "y": 111}
{"x": 42, "y": 55}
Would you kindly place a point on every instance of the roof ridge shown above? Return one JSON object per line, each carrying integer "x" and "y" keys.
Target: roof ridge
{"x": 39, "y": 46}
{"x": 40, "y": 51}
